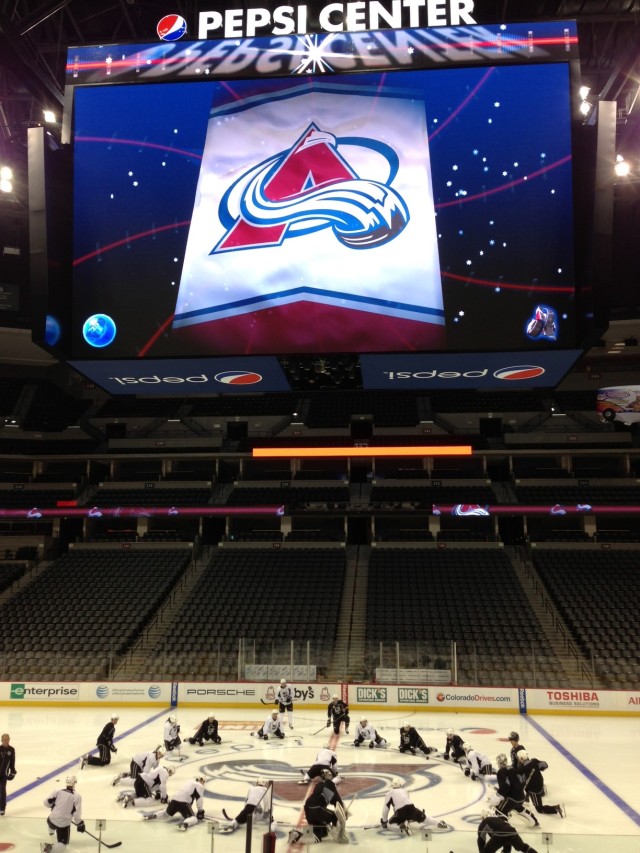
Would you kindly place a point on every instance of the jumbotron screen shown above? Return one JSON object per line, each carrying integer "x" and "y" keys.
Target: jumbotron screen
{"x": 411, "y": 209}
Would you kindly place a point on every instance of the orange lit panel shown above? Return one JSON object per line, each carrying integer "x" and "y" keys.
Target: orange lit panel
{"x": 333, "y": 452}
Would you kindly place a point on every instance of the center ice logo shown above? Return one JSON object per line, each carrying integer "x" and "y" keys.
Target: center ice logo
{"x": 310, "y": 187}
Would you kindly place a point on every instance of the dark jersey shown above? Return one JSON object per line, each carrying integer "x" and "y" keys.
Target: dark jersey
{"x": 531, "y": 770}
{"x": 337, "y": 710}
{"x": 7, "y": 761}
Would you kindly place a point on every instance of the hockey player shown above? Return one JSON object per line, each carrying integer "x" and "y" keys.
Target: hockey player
{"x": 150, "y": 784}
{"x": 496, "y": 833}
{"x": 410, "y": 741}
{"x": 66, "y": 808}
{"x": 272, "y": 728}
{"x": 509, "y": 794}
{"x": 532, "y": 769}
{"x": 171, "y": 733}
{"x": 318, "y": 814}
{"x": 338, "y": 712}
{"x": 366, "y": 731}
{"x": 404, "y": 812}
{"x": 208, "y": 731}
{"x": 284, "y": 701}
{"x": 516, "y": 746}
{"x": 258, "y": 801}
{"x": 7, "y": 768}
{"x": 326, "y": 759}
{"x": 105, "y": 746}
{"x": 182, "y": 804}
{"x": 454, "y": 746}
{"x": 142, "y": 762}
{"x": 478, "y": 764}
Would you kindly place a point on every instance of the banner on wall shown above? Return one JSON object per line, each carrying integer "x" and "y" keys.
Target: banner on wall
{"x": 249, "y": 694}
{"x": 434, "y": 697}
{"x": 581, "y": 701}
{"x": 85, "y": 693}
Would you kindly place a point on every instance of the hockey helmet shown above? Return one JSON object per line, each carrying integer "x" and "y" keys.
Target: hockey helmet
{"x": 514, "y": 736}
{"x": 363, "y": 720}
{"x": 274, "y": 713}
{"x": 335, "y": 696}
{"x": 212, "y": 716}
{"x": 159, "y": 751}
{"x": 397, "y": 783}
{"x": 71, "y": 781}
{"x": 449, "y": 732}
{"x": 326, "y": 774}
{"x": 467, "y": 748}
{"x": 262, "y": 782}
{"x": 406, "y": 726}
{"x": 283, "y": 682}
{"x": 501, "y": 760}
{"x": 173, "y": 719}
{"x": 115, "y": 718}
{"x": 522, "y": 755}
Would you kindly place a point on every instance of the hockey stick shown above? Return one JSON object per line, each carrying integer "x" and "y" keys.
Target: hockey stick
{"x": 226, "y": 816}
{"x": 104, "y": 843}
{"x": 264, "y": 702}
{"x": 320, "y": 730}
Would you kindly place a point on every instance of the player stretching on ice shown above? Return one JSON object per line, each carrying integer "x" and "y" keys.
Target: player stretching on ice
{"x": 338, "y": 712}
{"x": 272, "y": 728}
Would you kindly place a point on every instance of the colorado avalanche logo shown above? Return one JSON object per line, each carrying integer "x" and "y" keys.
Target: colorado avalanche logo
{"x": 308, "y": 188}
{"x": 469, "y": 509}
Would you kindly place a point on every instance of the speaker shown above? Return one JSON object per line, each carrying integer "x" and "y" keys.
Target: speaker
{"x": 362, "y": 429}
{"x": 115, "y": 431}
{"x": 237, "y": 430}
{"x": 491, "y": 427}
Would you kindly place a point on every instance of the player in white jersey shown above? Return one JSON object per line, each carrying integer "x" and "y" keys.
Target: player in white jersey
{"x": 171, "y": 733}
{"x": 272, "y": 728}
{"x": 151, "y": 784}
{"x": 478, "y": 764}
{"x": 66, "y": 808}
{"x": 404, "y": 811}
{"x": 284, "y": 701}
{"x": 140, "y": 763}
{"x": 326, "y": 759}
{"x": 182, "y": 804}
{"x": 258, "y": 801}
{"x": 366, "y": 731}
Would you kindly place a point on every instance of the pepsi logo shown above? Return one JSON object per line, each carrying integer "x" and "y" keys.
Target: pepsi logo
{"x": 519, "y": 372}
{"x": 238, "y": 377}
{"x": 171, "y": 27}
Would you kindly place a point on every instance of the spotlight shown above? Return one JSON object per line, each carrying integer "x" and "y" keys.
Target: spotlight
{"x": 622, "y": 167}
{"x": 6, "y": 179}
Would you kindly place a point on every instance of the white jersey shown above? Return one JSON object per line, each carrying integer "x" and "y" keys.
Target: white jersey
{"x": 66, "y": 807}
{"x": 476, "y": 761}
{"x": 327, "y": 758}
{"x": 191, "y": 792}
{"x": 397, "y": 798}
{"x": 145, "y": 760}
{"x": 171, "y": 731}
{"x": 272, "y": 726}
{"x": 259, "y": 796}
{"x": 367, "y": 732}
{"x": 284, "y": 696}
{"x": 156, "y": 780}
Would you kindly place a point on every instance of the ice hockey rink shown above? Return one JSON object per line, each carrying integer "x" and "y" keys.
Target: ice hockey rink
{"x": 593, "y": 770}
